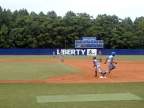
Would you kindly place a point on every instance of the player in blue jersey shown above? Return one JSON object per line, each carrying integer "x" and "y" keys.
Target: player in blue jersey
{"x": 111, "y": 62}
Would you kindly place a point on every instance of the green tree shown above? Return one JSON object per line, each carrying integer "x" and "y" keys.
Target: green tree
{"x": 139, "y": 32}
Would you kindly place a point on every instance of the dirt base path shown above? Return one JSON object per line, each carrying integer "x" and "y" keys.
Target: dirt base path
{"x": 126, "y": 71}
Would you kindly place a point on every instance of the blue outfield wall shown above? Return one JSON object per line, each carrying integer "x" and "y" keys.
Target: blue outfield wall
{"x": 123, "y": 51}
{"x": 26, "y": 51}
{"x": 53, "y": 51}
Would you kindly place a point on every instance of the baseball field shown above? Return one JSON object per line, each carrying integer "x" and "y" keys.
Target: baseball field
{"x": 46, "y": 82}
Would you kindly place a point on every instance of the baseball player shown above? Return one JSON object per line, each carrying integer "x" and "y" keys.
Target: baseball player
{"x": 111, "y": 62}
{"x": 61, "y": 57}
{"x": 98, "y": 69}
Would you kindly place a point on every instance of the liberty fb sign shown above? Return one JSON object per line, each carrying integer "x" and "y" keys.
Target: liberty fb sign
{"x": 91, "y": 52}
{"x": 83, "y": 52}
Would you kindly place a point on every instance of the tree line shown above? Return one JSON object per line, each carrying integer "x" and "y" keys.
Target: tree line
{"x": 21, "y": 29}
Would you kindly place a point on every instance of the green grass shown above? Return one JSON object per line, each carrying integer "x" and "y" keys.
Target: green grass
{"x": 131, "y": 57}
{"x": 25, "y": 57}
{"x": 88, "y": 97}
{"x": 44, "y": 57}
{"x": 33, "y": 71}
{"x": 28, "y": 70}
{"x": 120, "y": 57}
{"x": 24, "y": 95}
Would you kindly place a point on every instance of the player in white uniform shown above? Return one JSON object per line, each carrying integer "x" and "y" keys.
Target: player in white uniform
{"x": 97, "y": 66}
{"x": 111, "y": 62}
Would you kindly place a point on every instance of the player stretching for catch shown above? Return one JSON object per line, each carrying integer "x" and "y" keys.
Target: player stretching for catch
{"x": 111, "y": 62}
{"x": 98, "y": 69}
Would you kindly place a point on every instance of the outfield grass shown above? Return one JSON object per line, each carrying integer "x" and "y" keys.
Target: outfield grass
{"x": 31, "y": 57}
{"x": 44, "y": 57}
{"x": 24, "y": 95}
{"x": 120, "y": 57}
{"x": 131, "y": 57}
{"x": 32, "y": 70}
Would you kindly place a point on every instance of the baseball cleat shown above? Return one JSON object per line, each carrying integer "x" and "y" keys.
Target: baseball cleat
{"x": 101, "y": 77}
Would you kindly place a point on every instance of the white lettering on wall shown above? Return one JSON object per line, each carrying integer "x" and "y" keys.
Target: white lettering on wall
{"x": 89, "y": 52}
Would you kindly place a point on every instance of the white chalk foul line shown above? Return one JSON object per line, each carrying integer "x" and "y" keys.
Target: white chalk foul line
{"x": 87, "y": 97}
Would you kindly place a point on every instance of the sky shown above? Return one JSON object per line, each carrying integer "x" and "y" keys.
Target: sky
{"x": 121, "y": 8}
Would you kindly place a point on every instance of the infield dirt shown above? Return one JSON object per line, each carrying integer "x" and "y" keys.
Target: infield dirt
{"x": 126, "y": 71}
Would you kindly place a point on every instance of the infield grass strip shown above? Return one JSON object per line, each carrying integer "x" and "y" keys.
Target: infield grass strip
{"x": 87, "y": 97}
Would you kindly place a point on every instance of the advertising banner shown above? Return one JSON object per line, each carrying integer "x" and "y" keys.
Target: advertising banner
{"x": 83, "y": 52}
